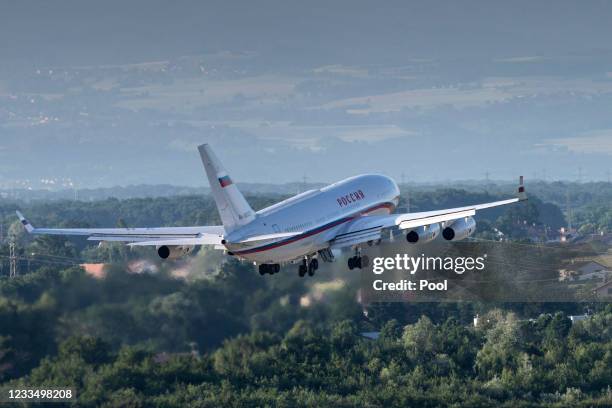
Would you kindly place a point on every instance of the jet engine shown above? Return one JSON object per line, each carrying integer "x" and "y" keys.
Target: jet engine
{"x": 173, "y": 251}
{"x": 423, "y": 234}
{"x": 459, "y": 229}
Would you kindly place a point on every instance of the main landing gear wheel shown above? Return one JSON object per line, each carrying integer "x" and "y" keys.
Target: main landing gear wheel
{"x": 308, "y": 267}
{"x": 269, "y": 269}
{"x": 358, "y": 262}
{"x": 302, "y": 269}
{"x": 313, "y": 266}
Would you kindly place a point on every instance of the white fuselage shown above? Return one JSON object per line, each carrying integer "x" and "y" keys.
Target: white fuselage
{"x": 317, "y": 215}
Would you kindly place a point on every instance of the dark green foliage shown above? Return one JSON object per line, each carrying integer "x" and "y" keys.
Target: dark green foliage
{"x": 151, "y": 340}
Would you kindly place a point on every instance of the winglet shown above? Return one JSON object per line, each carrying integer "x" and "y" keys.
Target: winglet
{"x": 25, "y": 222}
{"x": 522, "y": 196}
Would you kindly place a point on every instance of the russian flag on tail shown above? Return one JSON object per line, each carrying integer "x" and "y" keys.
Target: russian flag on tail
{"x": 225, "y": 181}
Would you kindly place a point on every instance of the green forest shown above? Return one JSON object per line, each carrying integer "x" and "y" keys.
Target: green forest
{"x": 240, "y": 340}
{"x": 221, "y": 335}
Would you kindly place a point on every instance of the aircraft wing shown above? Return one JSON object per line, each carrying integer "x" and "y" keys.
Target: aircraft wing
{"x": 369, "y": 228}
{"x": 205, "y": 235}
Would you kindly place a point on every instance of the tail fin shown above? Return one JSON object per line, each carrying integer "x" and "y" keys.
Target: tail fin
{"x": 233, "y": 208}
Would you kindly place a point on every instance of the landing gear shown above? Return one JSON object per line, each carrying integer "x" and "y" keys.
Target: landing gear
{"x": 270, "y": 269}
{"x": 358, "y": 261}
{"x": 313, "y": 266}
{"x": 352, "y": 261}
{"x": 308, "y": 267}
{"x": 303, "y": 268}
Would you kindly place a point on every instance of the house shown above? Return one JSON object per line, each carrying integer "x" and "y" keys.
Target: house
{"x": 142, "y": 266}
{"x": 567, "y": 235}
{"x": 371, "y": 335}
{"x": 599, "y": 276}
{"x": 96, "y": 270}
{"x": 604, "y": 290}
{"x": 567, "y": 275}
{"x": 585, "y": 270}
{"x": 577, "y": 318}
{"x": 590, "y": 267}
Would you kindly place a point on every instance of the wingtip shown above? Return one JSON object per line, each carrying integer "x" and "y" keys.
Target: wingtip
{"x": 24, "y": 221}
{"x": 522, "y": 195}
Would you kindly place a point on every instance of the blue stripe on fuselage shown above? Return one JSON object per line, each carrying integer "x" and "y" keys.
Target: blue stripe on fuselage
{"x": 312, "y": 232}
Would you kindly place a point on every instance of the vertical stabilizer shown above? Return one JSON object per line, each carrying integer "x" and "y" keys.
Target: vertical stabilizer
{"x": 233, "y": 208}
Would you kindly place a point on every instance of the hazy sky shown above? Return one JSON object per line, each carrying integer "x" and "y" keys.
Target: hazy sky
{"x": 349, "y": 31}
{"x": 117, "y": 92}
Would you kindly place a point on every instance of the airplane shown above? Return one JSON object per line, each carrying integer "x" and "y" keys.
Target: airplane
{"x": 352, "y": 213}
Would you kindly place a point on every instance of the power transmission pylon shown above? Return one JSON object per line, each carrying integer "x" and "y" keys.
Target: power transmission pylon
{"x": 13, "y": 259}
{"x": 407, "y": 200}
{"x": 569, "y": 210}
